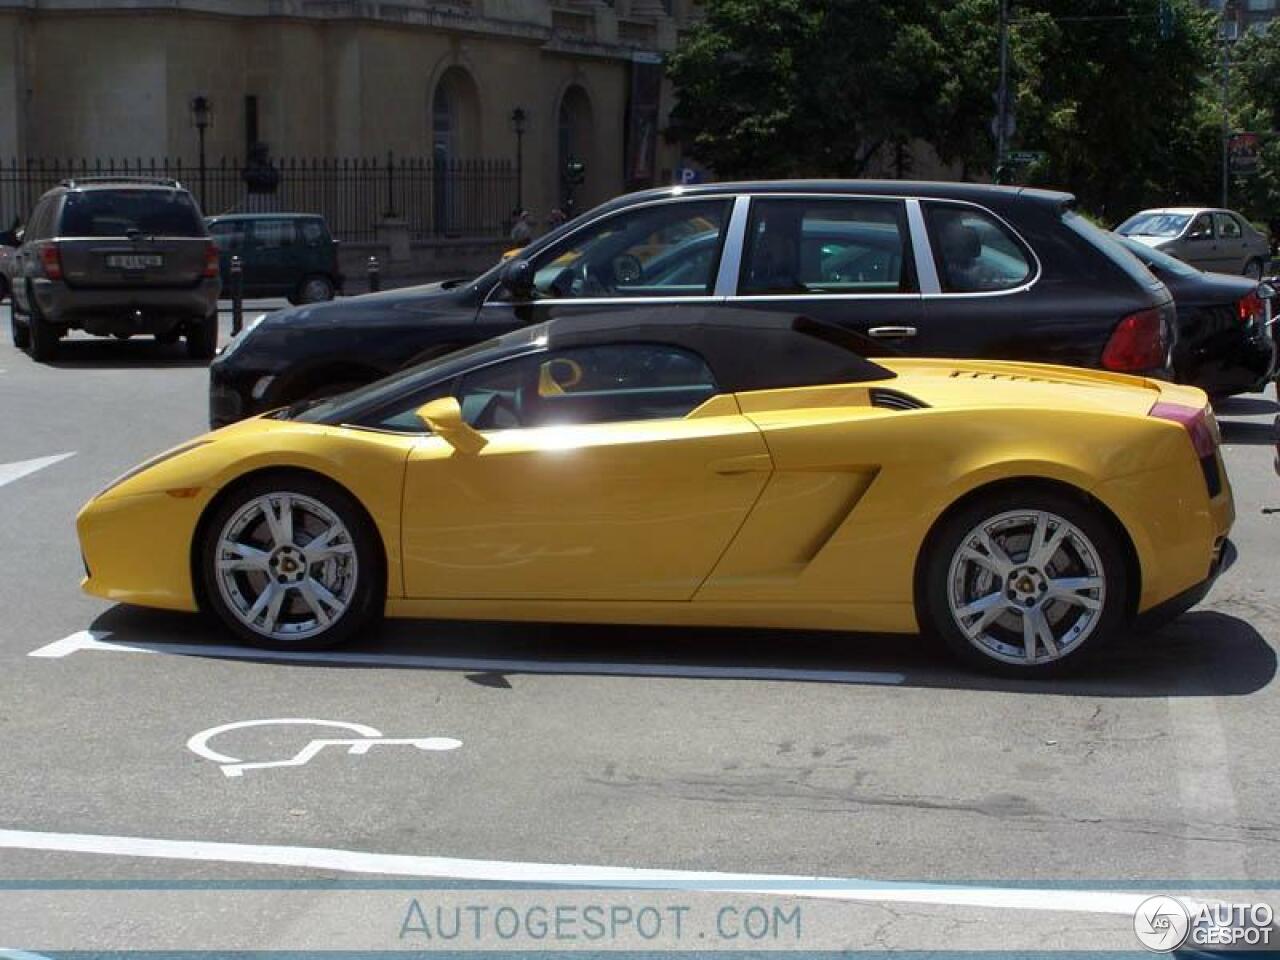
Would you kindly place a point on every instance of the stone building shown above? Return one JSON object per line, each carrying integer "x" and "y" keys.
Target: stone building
{"x": 348, "y": 78}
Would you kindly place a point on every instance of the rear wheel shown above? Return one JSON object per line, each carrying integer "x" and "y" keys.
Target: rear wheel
{"x": 42, "y": 338}
{"x": 292, "y": 562}
{"x": 1025, "y": 583}
{"x": 19, "y": 331}
{"x": 315, "y": 289}
{"x": 202, "y": 338}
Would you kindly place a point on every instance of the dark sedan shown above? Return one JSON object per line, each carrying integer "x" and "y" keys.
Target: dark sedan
{"x": 1225, "y": 345}
{"x": 930, "y": 269}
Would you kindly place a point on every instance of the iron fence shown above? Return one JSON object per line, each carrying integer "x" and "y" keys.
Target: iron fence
{"x": 438, "y": 197}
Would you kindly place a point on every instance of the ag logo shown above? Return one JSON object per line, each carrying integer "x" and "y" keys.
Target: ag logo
{"x": 1161, "y": 923}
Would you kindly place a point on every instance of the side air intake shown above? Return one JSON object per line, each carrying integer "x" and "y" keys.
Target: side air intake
{"x": 893, "y": 400}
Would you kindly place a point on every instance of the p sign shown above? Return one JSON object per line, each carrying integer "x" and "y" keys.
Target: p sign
{"x": 687, "y": 176}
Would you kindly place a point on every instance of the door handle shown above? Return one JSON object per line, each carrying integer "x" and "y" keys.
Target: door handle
{"x": 751, "y": 463}
{"x": 892, "y": 332}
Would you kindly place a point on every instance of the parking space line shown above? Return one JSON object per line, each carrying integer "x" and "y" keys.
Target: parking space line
{"x": 577, "y": 875}
{"x": 10, "y": 472}
{"x": 90, "y": 640}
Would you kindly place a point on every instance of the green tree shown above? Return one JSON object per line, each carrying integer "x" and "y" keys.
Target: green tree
{"x": 1255, "y": 97}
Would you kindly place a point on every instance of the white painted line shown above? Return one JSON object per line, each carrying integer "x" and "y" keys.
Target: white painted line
{"x": 576, "y": 875}
{"x": 93, "y": 641}
{"x": 10, "y": 472}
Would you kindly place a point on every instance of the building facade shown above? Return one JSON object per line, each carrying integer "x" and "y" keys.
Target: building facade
{"x": 349, "y": 78}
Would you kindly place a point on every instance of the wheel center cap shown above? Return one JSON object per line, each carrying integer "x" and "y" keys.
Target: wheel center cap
{"x": 1026, "y": 586}
{"x": 288, "y": 564}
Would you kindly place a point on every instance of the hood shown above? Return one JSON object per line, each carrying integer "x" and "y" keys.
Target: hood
{"x": 1149, "y": 241}
{"x": 965, "y": 383}
{"x": 392, "y": 306}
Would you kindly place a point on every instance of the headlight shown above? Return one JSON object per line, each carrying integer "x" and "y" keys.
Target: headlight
{"x": 238, "y": 339}
{"x": 148, "y": 464}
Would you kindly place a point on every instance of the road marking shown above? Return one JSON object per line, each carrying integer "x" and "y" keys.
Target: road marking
{"x": 368, "y": 739}
{"x": 577, "y": 875}
{"x": 10, "y": 472}
{"x": 92, "y": 640}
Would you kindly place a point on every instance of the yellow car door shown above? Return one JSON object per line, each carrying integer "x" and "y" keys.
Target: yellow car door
{"x": 605, "y": 473}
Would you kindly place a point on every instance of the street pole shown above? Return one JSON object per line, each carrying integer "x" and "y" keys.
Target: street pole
{"x": 519, "y": 169}
{"x": 204, "y": 196}
{"x": 1002, "y": 93}
{"x": 1226, "y": 118}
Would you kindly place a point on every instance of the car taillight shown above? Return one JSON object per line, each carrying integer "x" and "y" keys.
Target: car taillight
{"x": 51, "y": 261}
{"x": 211, "y": 260}
{"x": 1137, "y": 344}
{"x": 1250, "y": 308}
{"x": 1200, "y": 425}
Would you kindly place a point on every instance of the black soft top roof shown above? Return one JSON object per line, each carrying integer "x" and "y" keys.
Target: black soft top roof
{"x": 746, "y": 349}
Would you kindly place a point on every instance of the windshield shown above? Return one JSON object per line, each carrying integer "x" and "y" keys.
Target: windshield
{"x": 117, "y": 213}
{"x": 1157, "y": 258}
{"x": 346, "y": 406}
{"x": 1154, "y": 225}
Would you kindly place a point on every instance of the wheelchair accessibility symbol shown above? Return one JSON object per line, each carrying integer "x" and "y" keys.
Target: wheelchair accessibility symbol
{"x": 367, "y": 738}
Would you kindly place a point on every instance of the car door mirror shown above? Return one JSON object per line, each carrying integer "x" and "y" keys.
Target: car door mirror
{"x": 517, "y": 277}
{"x": 443, "y": 417}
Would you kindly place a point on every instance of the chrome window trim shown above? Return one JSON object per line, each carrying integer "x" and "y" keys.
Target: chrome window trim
{"x": 731, "y": 246}
{"x": 607, "y": 215}
{"x": 598, "y": 301}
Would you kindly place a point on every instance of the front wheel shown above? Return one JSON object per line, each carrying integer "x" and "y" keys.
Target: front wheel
{"x": 1253, "y": 269}
{"x": 292, "y": 562}
{"x": 314, "y": 289}
{"x": 1025, "y": 583}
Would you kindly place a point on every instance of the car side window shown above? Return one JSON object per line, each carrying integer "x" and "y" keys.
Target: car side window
{"x": 974, "y": 252}
{"x": 273, "y": 234}
{"x": 1228, "y": 226}
{"x": 826, "y": 246}
{"x": 228, "y": 235}
{"x": 581, "y": 385}
{"x": 663, "y": 250}
{"x": 1201, "y": 228}
{"x": 313, "y": 232}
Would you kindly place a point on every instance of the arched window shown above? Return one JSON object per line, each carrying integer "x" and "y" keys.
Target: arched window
{"x": 455, "y": 137}
{"x": 575, "y": 140}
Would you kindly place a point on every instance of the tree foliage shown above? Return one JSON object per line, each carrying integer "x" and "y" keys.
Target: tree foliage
{"x": 815, "y": 87}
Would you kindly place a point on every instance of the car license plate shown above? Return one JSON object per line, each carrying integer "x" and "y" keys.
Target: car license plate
{"x": 134, "y": 261}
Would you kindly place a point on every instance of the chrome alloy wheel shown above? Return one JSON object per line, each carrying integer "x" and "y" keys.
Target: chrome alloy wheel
{"x": 286, "y": 566}
{"x": 1026, "y": 587}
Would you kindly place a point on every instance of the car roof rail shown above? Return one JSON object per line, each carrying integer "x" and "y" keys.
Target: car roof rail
{"x": 73, "y": 182}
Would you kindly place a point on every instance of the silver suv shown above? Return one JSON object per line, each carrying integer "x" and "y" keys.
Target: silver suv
{"x": 116, "y": 257}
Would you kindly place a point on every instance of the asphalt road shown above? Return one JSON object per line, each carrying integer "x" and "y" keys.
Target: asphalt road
{"x": 746, "y": 751}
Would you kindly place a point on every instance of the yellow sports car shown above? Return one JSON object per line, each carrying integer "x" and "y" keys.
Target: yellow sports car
{"x": 717, "y": 467}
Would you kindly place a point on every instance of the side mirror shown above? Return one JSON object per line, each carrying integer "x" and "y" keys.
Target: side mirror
{"x": 517, "y": 277}
{"x": 444, "y": 418}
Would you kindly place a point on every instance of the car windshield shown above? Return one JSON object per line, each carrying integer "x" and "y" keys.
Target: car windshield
{"x": 342, "y": 408}
{"x": 1152, "y": 224}
{"x": 1157, "y": 258}
{"x": 117, "y": 213}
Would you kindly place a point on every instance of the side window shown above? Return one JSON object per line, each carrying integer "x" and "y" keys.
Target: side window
{"x": 826, "y": 246}
{"x": 273, "y": 234}
{"x": 1228, "y": 226}
{"x": 1201, "y": 228}
{"x": 313, "y": 232}
{"x": 228, "y": 235}
{"x": 668, "y": 249}
{"x": 605, "y": 384}
{"x": 974, "y": 252}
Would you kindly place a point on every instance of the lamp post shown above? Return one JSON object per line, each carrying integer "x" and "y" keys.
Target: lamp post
{"x": 519, "y": 122}
{"x": 202, "y": 119}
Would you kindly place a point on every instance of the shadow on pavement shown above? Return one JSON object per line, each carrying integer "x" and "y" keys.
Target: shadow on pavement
{"x": 1237, "y": 431}
{"x": 134, "y": 353}
{"x": 1244, "y": 406}
{"x": 1203, "y": 653}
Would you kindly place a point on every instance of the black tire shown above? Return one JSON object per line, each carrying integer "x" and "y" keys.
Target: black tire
{"x": 316, "y": 288}
{"x": 368, "y": 595}
{"x": 1254, "y": 269}
{"x": 934, "y": 608}
{"x": 202, "y": 338}
{"x": 42, "y": 338}
{"x": 19, "y": 331}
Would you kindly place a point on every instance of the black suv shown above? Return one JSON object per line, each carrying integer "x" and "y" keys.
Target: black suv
{"x": 115, "y": 256}
{"x": 928, "y": 269}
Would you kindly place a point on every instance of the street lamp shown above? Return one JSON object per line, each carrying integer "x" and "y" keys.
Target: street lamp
{"x": 202, "y": 119}
{"x": 519, "y": 122}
